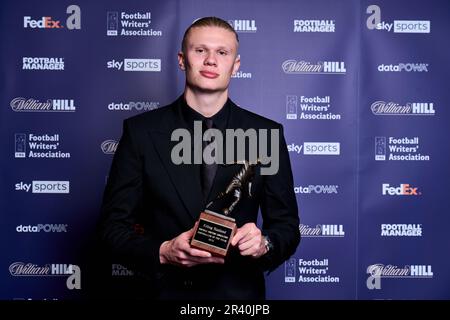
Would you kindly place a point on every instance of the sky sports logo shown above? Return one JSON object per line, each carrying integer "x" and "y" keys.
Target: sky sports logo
{"x": 152, "y": 65}
{"x": 316, "y": 148}
{"x": 374, "y": 22}
{"x": 44, "y": 186}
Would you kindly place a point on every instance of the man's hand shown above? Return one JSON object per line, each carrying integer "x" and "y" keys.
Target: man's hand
{"x": 179, "y": 252}
{"x": 249, "y": 241}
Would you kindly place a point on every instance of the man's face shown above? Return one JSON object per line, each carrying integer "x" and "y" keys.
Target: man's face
{"x": 210, "y": 59}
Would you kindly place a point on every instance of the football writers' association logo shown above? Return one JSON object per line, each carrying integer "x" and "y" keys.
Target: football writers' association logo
{"x": 112, "y": 23}
{"x": 20, "y": 145}
{"x": 291, "y": 107}
{"x": 380, "y": 148}
{"x": 289, "y": 270}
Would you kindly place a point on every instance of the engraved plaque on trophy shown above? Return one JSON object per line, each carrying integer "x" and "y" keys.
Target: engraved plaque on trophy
{"x": 215, "y": 229}
{"x": 214, "y": 233}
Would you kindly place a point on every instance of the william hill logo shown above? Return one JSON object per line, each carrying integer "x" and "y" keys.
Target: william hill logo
{"x": 293, "y": 66}
{"x": 243, "y": 25}
{"x": 109, "y": 146}
{"x": 21, "y": 104}
{"x": 72, "y": 271}
{"x": 390, "y": 108}
{"x": 322, "y": 230}
{"x": 378, "y": 271}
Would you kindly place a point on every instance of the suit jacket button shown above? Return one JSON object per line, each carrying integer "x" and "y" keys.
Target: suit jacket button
{"x": 188, "y": 283}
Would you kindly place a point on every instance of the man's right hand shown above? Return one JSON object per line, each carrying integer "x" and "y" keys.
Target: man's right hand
{"x": 178, "y": 251}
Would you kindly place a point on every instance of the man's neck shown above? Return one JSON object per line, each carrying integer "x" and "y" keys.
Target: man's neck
{"x": 207, "y": 104}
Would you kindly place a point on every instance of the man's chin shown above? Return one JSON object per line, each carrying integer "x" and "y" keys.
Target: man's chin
{"x": 209, "y": 89}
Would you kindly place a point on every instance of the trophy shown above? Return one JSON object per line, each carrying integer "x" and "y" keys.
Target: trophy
{"x": 215, "y": 230}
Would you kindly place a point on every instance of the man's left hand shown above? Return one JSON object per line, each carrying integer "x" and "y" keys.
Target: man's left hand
{"x": 249, "y": 240}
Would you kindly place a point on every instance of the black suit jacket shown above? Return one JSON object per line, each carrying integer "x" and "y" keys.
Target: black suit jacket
{"x": 145, "y": 187}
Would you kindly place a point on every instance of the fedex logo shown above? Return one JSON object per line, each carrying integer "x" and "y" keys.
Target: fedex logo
{"x": 404, "y": 189}
{"x": 43, "y": 23}
{"x": 73, "y": 21}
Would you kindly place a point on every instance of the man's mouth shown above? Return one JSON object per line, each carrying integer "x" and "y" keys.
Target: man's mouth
{"x": 209, "y": 74}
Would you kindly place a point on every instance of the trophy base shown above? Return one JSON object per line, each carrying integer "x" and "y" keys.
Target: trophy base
{"x": 214, "y": 233}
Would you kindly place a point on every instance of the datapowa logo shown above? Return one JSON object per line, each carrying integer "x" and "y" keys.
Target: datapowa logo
{"x": 134, "y": 106}
{"x": 42, "y": 228}
{"x": 403, "y": 67}
{"x": 317, "y": 189}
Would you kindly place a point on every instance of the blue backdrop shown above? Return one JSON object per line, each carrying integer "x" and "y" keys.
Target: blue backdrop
{"x": 360, "y": 87}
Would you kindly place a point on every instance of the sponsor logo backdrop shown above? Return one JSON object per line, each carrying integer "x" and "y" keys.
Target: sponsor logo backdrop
{"x": 361, "y": 90}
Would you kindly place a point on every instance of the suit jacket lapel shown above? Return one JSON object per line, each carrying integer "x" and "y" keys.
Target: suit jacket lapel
{"x": 225, "y": 173}
{"x": 184, "y": 176}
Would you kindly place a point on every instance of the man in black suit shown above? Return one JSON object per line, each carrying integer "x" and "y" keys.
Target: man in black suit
{"x": 148, "y": 188}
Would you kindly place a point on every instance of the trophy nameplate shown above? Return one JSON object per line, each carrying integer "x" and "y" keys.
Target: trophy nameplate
{"x": 214, "y": 233}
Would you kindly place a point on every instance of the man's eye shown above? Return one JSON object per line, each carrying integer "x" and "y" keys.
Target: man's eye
{"x": 199, "y": 50}
{"x": 223, "y": 53}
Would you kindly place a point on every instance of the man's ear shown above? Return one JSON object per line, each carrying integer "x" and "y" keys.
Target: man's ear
{"x": 181, "y": 61}
{"x": 237, "y": 63}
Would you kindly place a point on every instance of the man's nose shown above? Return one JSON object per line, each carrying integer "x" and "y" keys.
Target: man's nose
{"x": 210, "y": 60}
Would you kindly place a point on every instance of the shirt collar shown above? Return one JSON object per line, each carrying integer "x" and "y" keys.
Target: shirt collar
{"x": 220, "y": 119}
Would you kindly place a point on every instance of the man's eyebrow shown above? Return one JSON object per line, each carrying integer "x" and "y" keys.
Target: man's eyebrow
{"x": 206, "y": 46}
